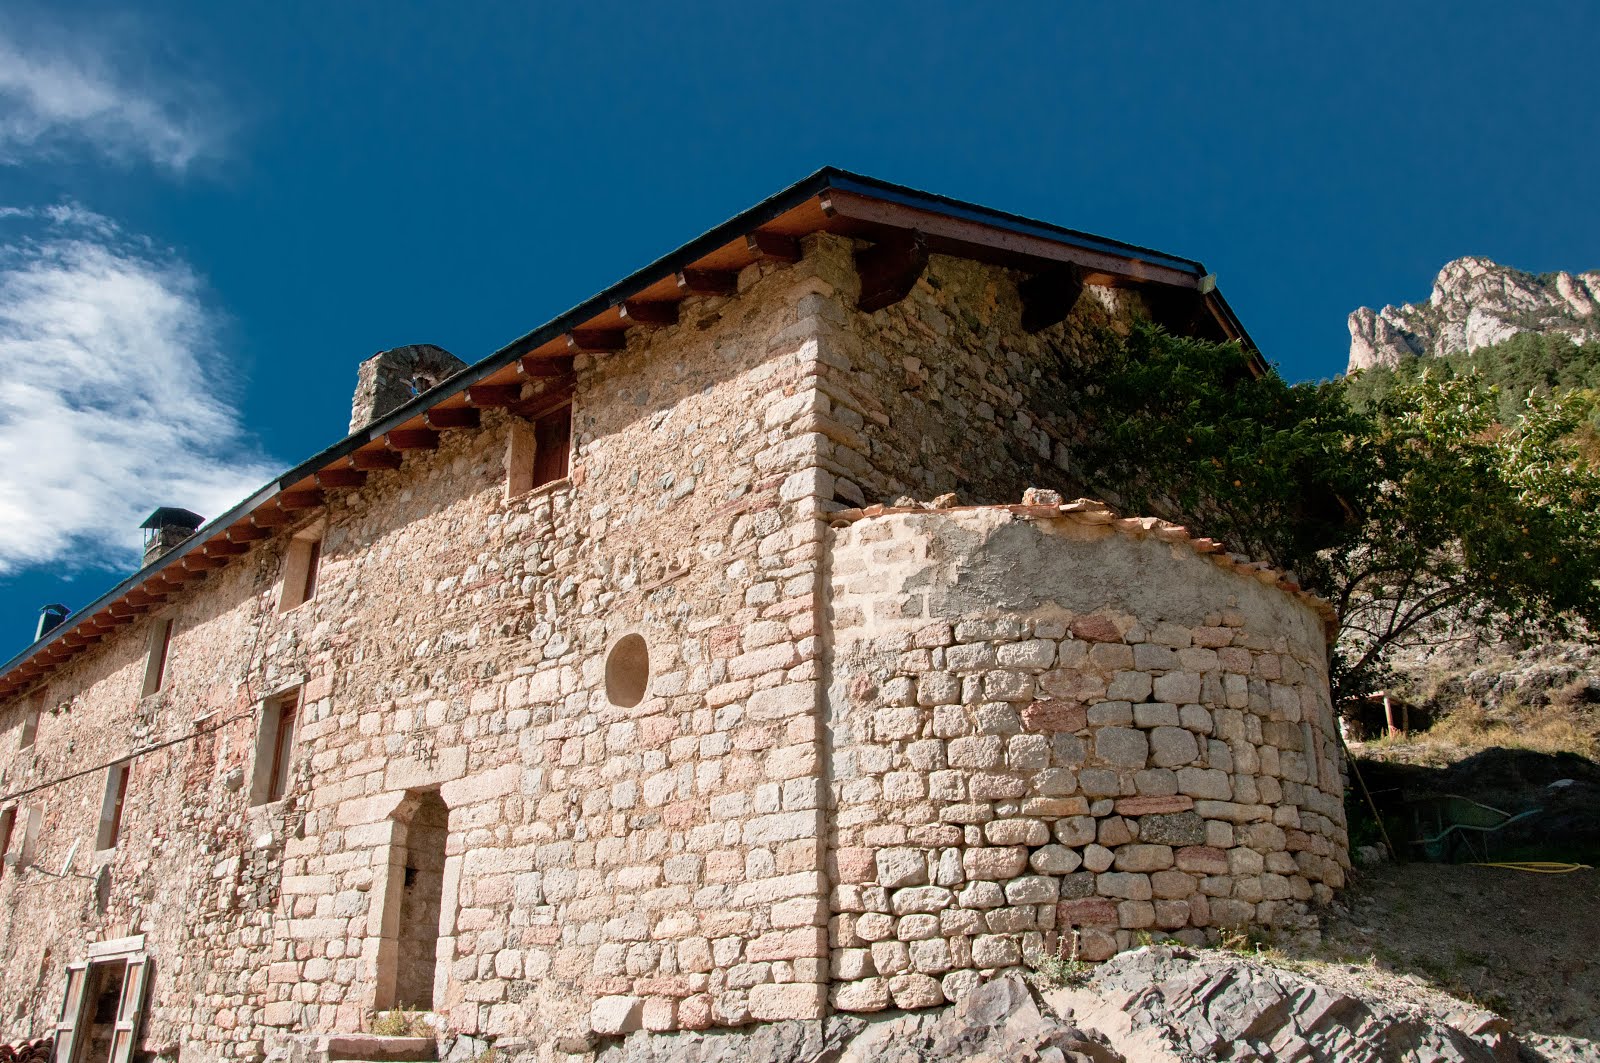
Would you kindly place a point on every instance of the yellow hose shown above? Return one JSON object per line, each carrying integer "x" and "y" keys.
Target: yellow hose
{"x": 1540, "y": 867}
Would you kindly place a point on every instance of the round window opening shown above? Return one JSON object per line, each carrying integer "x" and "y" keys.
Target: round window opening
{"x": 628, "y": 671}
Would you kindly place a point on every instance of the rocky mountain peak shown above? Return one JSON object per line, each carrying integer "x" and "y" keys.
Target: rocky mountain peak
{"x": 1476, "y": 302}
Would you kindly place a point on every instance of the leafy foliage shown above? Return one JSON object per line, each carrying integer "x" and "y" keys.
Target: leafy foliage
{"x": 1544, "y": 363}
{"x": 1472, "y": 521}
{"x": 1421, "y": 507}
{"x": 1180, "y": 426}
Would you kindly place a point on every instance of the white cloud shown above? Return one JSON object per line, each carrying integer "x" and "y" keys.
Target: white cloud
{"x": 110, "y": 403}
{"x": 55, "y": 97}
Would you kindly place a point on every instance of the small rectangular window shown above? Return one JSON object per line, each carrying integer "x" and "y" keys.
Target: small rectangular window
{"x": 280, "y": 719}
{"x": 30, "y": 721}
{"x": 301, "y": 567}
{"x": 111, "y": 808}
{"x": 155, "y": 670}
{"x": 552, "y": 440}
{"x": 537, "y": 453}
{"x": 309, "y": 590}
{"x": 8, "y": 824}
{"x": 30, "y": 835}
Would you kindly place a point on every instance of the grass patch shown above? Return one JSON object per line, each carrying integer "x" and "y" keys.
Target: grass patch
{"x": 1061, "y": 968}
{"x": 399, "y": 1022}
{"x": 1566, "y": 725}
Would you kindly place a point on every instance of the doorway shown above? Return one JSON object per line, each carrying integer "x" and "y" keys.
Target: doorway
{"x": 418, "y": 856}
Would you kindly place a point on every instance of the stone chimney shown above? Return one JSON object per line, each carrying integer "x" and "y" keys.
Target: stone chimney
{"x": 166, "y": 528}
{"x": 390, "y": 379}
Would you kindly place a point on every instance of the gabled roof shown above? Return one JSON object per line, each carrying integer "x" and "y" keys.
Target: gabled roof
{"x": 830, "y": 200}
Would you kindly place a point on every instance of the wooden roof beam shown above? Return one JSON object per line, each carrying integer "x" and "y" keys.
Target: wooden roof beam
{"x": 597, "y": 340}
{"x": 454, "y": 417}
{"x": 652, "y": 314}
{"x": 270, "y": 517}
{"x": 773, "y": 247}
{"x": 376, "y": 459}
{"x": 544, "y": 368}
{"x": 1048, "y": 297}
{"x": 890, "y": 268}
{"x": 708, "y": 281}
{"x": 307, "y": 499}
{"x": 341, "y": 476}
{"x": 1184, "y": 313}
{"x": 414, "y": 439}
{"x": 491, "y": 396}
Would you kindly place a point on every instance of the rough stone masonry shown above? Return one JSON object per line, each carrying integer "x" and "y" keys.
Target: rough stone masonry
{"x": 694, "y": 735}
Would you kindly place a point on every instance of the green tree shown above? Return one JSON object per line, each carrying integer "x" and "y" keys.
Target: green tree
{"x": 1421, "y": 511}
{"x": 1183, "y": 428}
{"x": 1475, "y": 522}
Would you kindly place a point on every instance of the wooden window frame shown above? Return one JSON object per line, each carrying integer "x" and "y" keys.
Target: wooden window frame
{"x": 29, "y": 732}
{"x": 284, "y": 728}
{"x": 302, "y": 568}
{"x": 8, "y": 827}
{"x": 31, "y": 824}
{"x": 114, "y": 805}
{"x": 276, "y": 737}
{"x": 552, "y": 446}
{"x": 70, "y": 1022}
{"x": 539, "y": 452}
{"x": 155, "y": 669}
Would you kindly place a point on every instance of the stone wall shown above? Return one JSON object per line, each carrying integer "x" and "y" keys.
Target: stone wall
{"x": 664, "y": 859}
{"x": 945, "y": 392}
{"x": 883, "y": 758}
{"x": 1050, "y": 726}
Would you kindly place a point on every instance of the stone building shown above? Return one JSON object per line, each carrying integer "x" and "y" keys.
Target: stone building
{"x": 616, "y": 681}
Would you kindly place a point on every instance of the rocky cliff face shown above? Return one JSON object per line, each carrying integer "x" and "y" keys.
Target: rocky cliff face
{"x": 1475, "y": 303}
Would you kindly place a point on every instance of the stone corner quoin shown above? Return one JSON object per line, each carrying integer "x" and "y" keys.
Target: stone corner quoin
{"x": 865, "y": 758}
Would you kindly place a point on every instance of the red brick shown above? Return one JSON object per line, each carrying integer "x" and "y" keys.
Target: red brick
{"x": 1202, "y": 859}
{"x": 1091, "y": 911}
{"x": 1096, "y": 629}
{"x": 1055, "y": 716}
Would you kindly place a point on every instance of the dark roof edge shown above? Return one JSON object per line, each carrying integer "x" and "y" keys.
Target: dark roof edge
{"x": 706, "y": 242}
{"x": 845, "y": 181}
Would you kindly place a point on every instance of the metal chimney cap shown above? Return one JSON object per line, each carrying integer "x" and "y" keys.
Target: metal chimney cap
{"x": 173, "y": 517}
{"x": 50, "y": 618}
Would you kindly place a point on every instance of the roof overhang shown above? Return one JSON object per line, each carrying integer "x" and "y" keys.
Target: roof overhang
{"x": 829, "y": 200}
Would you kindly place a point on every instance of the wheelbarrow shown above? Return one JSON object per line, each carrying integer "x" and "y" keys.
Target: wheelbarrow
{"x": 1451, "y": 829}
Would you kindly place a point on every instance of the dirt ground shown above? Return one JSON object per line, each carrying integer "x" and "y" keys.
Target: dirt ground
{"x": 1524, "y": 945}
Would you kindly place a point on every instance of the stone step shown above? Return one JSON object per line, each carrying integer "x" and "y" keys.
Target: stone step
{"x": 376, "y": 1048}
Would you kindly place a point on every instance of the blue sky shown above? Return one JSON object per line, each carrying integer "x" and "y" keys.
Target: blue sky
{"x": 209, "y": 215}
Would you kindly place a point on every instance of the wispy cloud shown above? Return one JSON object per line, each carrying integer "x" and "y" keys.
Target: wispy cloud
{"x": 109, "y": 396}
{"x": 55, "y": 97}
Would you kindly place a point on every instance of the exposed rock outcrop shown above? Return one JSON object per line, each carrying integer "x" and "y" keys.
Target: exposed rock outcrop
{"x": 1153, "y": 1005}
{"x": 1475, "y": 303}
